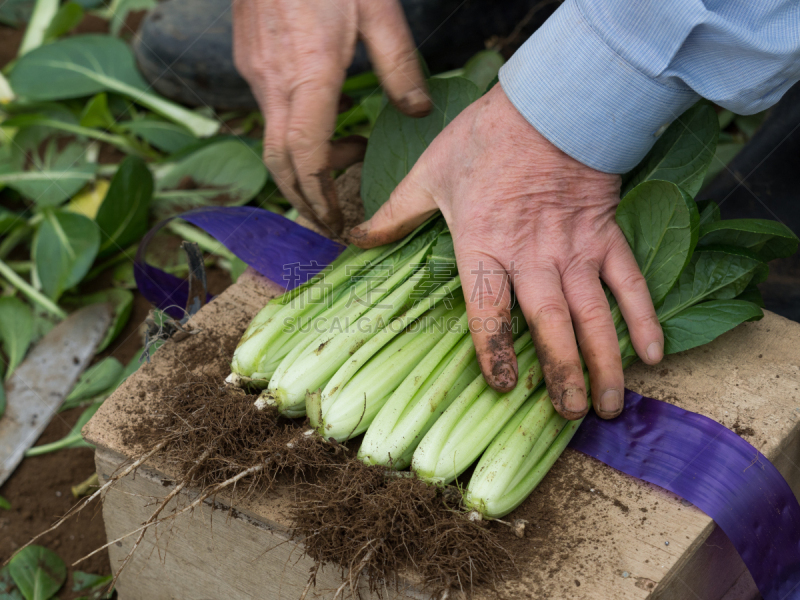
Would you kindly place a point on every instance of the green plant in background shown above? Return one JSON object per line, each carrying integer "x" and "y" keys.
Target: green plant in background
{"x": 36, "y": 573}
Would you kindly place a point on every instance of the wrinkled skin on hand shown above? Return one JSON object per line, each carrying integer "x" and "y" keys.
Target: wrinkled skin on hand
{"x": 523, "y": 212}
{"x": 294, "y": 56}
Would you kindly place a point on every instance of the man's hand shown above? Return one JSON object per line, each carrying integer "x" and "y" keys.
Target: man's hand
{"x": 294, "y": 56}
{"x": 522, "y": 211}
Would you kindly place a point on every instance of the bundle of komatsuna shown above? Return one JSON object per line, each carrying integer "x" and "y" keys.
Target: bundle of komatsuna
{"x": 378, "y": 343}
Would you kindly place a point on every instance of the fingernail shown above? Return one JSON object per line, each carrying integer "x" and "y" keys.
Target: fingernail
{"x": 655, "y": 352}
{"x": 359, "y": 231}
{"x": 610, "y": 402}
{"x": 504, "y": 376}
{"x": 416, "y": 103}
{"x": 574, "y": 400}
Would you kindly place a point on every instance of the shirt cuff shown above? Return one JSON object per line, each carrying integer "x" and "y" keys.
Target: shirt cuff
{"x": 585, "y": 98}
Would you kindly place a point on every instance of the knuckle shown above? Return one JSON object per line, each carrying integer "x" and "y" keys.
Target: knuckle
{"x": 633, "y": 282}
{"x": 647, "y": 322}
{"x": 551, "y": 313}
{"x": 298, "y": 138}
{"x": 593, "y": 312}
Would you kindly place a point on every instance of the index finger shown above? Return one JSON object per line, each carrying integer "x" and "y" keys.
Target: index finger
{"x": 314, "y": 104}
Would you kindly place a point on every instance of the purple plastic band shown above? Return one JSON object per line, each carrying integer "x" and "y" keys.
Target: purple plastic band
{"x": 714, "y": 469}
{"x": 280, "y": 249}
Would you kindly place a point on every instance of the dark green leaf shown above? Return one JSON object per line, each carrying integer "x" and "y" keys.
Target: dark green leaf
{"x": 66, "y": 19}
{"x": 50, "y": 179}
{"x": 724, "y": 154}
{"x": 700, "y": 324}
{"x": 709, "y": 275}
{"x": 122, "y": 302}
{"x": 122, "y": 217}
{"x": 38, "y": 572}
{"x": 752, "y": 294}
{"x": 83, "y": 582}
{"x": 482, "y": 68}
{"x": 8, "y": 589}
{"x": 100, "y": 378}
{"x": 16, "y": 330}
{"x": 5, "y": 505}
{"x": 660, "y": 223}
{"x": 9, "y": 220}
{"x": 768, "y": 239}
{"x": 682, "y": 154}
{"x": 709, "y": 212}
{"x": 85, "y": 65}
{"x": 64, "y": 247}
{"x": 96, "y": 113}
{"x": 397, "y": 141}
{"x": 228, "y": 173}
{"x": 166, "y": 136}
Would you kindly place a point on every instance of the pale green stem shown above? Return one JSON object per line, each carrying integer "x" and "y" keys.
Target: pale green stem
{"x": 28, "y": 290}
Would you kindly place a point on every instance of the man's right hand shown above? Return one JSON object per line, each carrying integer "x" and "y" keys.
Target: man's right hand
{"x": 295, "y": 55}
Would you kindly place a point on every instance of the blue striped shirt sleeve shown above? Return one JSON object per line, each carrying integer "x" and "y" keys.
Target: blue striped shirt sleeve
{"x": 602, "y": 79}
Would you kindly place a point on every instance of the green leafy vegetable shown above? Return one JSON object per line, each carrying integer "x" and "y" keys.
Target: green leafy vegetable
{"x": 700, "y": 324}
{"x": 5, "y": 505}
{"x": 97, "y": 379}
{"x": 64, "y": 247}
{"x": 96, "y": 113}
{"x": 710, "y": 275}
{"x": 709, "y": 212}
{"x": 69, "y": 15}
{"x": 724, "y": 155}
{"x": 94, "y": 584}
{"x": 89, "y": 64}
{"x": 396, "y": 141}
{"x": 482, "y": 68}
{"x": 768, "y": 239}
{"x": 38, "y": 572}
{"x": 73, "y": 439}
{"x": 682, "y": 154}
{"x": 752, "y": 294}
{"x": 122, "y": 217}
{"x": 166, "y": 136}
{"x": 660, "y": 223}
{"x": 8, "y": 589}
{"x": 51, "y": 178}
{"x": 16, "y": 330}
{"x": 228, "y": 173}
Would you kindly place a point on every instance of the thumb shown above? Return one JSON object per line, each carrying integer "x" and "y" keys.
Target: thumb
{"x": 408, "y": 207}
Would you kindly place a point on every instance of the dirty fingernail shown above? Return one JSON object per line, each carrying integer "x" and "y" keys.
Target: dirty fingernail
{"x": 574, "y": 400}
{"x": 655, "y": 352}
{"x": 359, "y": 230}
{"x": 504, "y": 376}
{"x": 610, "y": 402}
{"x": 416, "y": 103}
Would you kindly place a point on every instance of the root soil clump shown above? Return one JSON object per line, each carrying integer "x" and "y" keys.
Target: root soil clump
{"x": 363, "y": 519}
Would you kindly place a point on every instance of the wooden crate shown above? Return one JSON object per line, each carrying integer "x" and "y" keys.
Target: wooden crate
{"x": 609, "y": 540}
